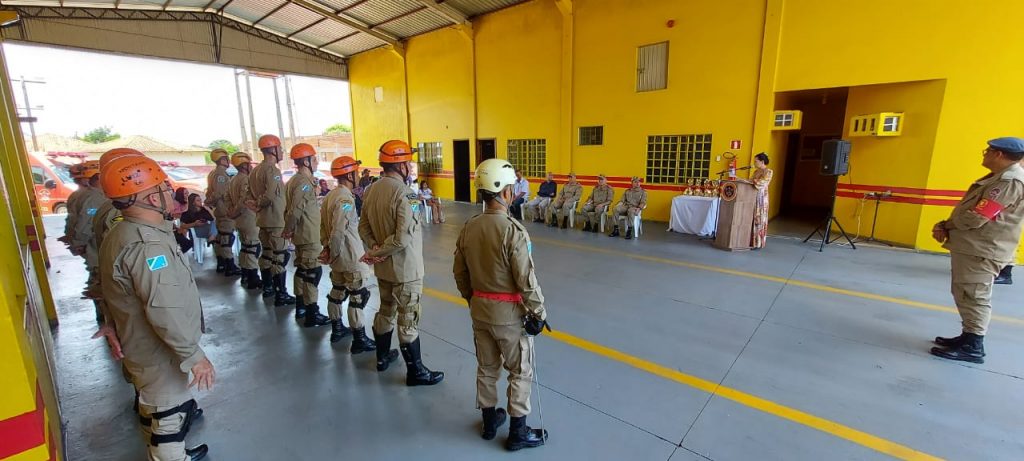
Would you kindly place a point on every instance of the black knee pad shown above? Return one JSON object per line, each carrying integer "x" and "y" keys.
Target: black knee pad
{"x": 360, "y": 298}
{"x": 188, "y": 408}
{"x": 316, "y": 274}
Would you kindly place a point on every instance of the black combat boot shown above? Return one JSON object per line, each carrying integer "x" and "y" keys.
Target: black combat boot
{"x": 1005, "y": 276}
{"x": 565, "y": 222}
{"x": 385, "y": 354}
{"x": 300, "y": 308}
{"x": 315, "y": 319}
{"x": 415, "y": 373}
{"x": 230, "y": 269}
{"x": 197, "y": 453}
{"x": 954, "y": 341}
{"x": 615, "y": 232}
{"x": 629, "y": 233}
{"x": 522, "y": 436}
{"x": 283, "y": 298}
{"x": 493, "y": 419}
{"x": 253, "y": 282}
{"x": 361, "y": 343}
{"x": 338, "y": 330}
{"x": 220, "y": 265}
{"x": 268, "y": 283}
{"x": 586, "y": 227}
{"x": 971, "y": 349}
{"x": 554, "y": 221}
{"x": 243, "y": 281}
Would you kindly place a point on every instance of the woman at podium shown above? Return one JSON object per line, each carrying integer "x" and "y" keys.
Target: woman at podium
{"x": 761, "y": 178}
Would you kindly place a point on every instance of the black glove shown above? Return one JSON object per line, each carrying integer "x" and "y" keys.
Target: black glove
{"x": 534, "y": 325}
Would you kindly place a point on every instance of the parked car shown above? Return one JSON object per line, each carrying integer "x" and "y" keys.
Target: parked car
{"x": 185, "y": 177}
{"x": 287, "y": 174}
{"x": 53, "y": 185}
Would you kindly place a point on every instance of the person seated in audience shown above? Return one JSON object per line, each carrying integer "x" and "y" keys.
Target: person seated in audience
{"x": 436, "y": 212}
{"x": 520, "y": 194}
{"x": 565, "y": 202}
{"x": 538, "y": 207}
{"x": 195, "y": 216}
{"x": 632, "y": 202}
{"x": 597, "y": 204}
{"x": 324, "y": 188}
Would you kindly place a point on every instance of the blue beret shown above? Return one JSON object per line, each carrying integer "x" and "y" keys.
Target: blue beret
{"x": 1008, "y": 144}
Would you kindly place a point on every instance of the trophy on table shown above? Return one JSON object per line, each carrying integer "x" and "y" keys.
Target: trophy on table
{"x": 687, "y": 187}
{"x": 706, "y": 187}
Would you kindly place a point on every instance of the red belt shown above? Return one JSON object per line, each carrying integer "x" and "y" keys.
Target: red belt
{"x": 504, "y": 297}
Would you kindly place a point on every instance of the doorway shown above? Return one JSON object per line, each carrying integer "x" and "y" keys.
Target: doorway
{"x": 484, "y": 150}
{"x": 461, "y": 149}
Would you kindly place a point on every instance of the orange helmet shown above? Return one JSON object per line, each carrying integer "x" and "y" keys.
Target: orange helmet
{"x": 269, "y": 140}
{"x": 302, "y": 150}
{"x": 116, "y": 153}
{"x": 90, "y": 168}
{"x": 344, "y": 165}
{"x": 238, "y": 158}
{"x": 218, "y": 154}
{"x": 395, "y": 151}
{"x": 130, "y": 175}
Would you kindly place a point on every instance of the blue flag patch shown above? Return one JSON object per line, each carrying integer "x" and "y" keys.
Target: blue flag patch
{"x": 529, "y": 248}
{"x": 90, "y": 211}
{"x": 156, "y": 263}
{"x": 305, "y": 187}
{"x": 346, "y": 206}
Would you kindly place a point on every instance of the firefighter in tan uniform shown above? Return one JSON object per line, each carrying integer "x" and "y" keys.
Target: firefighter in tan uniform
{"x": 154, "y": 302}
{"x": 339, "y": 234}
{"x": 391, "y": 230}
{"x": 597, "y": 204}
{"x": 72, "y": 203}
{"x": 302, "y": 226}
{"x": 565, "y": 202}
{"x": 633, "y": 201}
{"x": 245, "y": 221}
{"x": 82, "y": 240}
{"x": 267, "y": 192}
{"x": 216, "y": 198}
{"x": 982, "y": 234}
{"x": 494, "y": 273}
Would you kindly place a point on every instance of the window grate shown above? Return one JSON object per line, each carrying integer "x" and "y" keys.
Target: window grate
{"x": 591, "y": 135}
{"x": 672, "y": 159}
{"x": 431, "y": 159}
{"x": 652, "y": 67}
{"x": 529, "y": 156}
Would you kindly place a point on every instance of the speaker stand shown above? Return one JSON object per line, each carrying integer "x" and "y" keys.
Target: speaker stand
{"x": 825, "y": 228}
{"x": 874, "y": 221}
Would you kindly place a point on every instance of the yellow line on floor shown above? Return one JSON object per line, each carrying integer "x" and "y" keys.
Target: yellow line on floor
{"x": 771, "y": 278}
{"x": 814, "y": 422}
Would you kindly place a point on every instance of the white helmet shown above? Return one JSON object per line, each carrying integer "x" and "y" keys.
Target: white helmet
{"x": 493, "y": 174}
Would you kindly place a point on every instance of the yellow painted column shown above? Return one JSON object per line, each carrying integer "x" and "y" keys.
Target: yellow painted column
{"x": 765, "y": 104}
{"x": 565, "y": 141}
{"x": 20, "y": 193}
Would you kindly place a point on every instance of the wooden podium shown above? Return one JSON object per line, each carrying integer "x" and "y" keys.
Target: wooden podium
{"x": 736, "y": 215}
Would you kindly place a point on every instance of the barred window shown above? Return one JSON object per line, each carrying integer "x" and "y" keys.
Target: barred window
{"x": 652, "y": 67}
{"x": 672, "y": 159}
{"x": 591, "y": 135}
{"x": 529, "y": 156}
{"x": 430, "y": 157}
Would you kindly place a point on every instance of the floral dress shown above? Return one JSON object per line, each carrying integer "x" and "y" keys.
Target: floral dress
{"x": 761, "y": 178}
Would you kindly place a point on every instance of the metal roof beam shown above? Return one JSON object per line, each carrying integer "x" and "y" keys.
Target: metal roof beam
{"x": 448, "y": 12}
{"x": 343, "y": 19}
{"x": 275, "y": 10}
{"x": 392, "y": 19}
{"x": 305, "y": 28}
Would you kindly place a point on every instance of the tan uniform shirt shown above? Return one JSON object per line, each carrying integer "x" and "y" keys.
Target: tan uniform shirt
{"x": 972, "y": 232}
{"x": 268, "y": 191}
{"x": 106, "y": 217}
{"x": 73, "y": 207}
{"x": 238, "y": 193}
{"x": 634, "y": 197}
{"x": 217, "y": 191}
{"x": 151, "y": 295}
{"x": 391, "y": 222}
{"x": 601, "y": 194}
{"x": 339, "y": 231}
{"x": 492, "y": 255}
{"x": 571, "y": 193}
{"x": 302, "y": 213}
{"x": 88, "y": 205}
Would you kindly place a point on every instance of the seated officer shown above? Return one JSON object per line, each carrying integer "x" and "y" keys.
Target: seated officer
{"x": 597, "y": 204}
{"x": 632, "y": 202}
{"x": 565, "y": 201}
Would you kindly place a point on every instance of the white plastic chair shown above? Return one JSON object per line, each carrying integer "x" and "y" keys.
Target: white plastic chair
{"x": 427, "y": 211}
{"x": 200, "y": 235}
{"x": 637, "y": 223}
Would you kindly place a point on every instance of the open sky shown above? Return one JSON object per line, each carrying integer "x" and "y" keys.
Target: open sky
{"x": 180, "y": 102}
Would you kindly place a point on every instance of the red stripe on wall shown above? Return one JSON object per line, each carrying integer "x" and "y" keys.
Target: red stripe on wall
{"x": 901, "y": 190}
{"x": 902, "y": 199}
{"x": 25, "y": 431}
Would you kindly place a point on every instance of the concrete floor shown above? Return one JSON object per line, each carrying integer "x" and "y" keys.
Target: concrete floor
{"x": 841, "y": 336}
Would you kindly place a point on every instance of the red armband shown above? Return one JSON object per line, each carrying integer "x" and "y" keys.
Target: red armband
{"x": 988, "y": 208}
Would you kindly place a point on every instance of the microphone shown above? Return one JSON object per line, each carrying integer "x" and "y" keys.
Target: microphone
{"x": 744, "y": 168}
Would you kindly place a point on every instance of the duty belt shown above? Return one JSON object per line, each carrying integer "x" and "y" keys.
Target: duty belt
{"x": 503, "y": 297}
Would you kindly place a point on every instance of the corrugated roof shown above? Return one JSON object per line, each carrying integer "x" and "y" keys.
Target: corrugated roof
{"x": 141, "y": 143}
{"x": 400, "y": 19}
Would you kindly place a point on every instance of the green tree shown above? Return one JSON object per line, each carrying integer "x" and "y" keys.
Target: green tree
{"x": 101, "y": 134}
{"x": 338, "y": 128}
{"x": 223, "y": 144}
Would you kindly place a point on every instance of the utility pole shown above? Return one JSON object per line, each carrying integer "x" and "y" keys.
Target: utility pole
{"x": 28, "y": 109}
{"x": 241, "y": 117}
{"x": 277, "y": 110}
{"x": 252, "y": 118}
{"x": 289, "y": 103}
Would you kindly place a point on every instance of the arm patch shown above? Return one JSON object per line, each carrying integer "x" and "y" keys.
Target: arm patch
{"x": 988, "y": 208}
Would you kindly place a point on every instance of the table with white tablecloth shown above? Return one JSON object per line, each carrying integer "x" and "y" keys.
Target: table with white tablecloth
{"x": 694, "y": 215}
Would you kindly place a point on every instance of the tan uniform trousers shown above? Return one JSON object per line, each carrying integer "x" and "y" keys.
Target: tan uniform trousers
{"x": 347, "y": 285}
{"x": 306, "y": 281}
{"x": 161, "y": 388}
{"x": 92, "y": 264}
{"x": 401, "y": 302}
{"x": 623, "y": 210}
{"x": 505, "y": 346}
{"x": 537, "y": 207}
{"x": 225, "y": 238}
{"x": 972, "y": 290}
{"x": 274, "y": 250}
{"x": 560, "y": 209}
{"x": 248, "y": 257}
{"x": 593, "y": 213}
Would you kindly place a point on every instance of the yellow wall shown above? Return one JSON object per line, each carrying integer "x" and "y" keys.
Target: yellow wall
{"x": 378, "y": 121}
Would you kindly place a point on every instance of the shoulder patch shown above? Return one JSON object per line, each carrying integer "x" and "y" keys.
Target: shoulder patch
{"x": 222, "y": 179}
{"x": 91, "y": 212}
{"x": 306, "y": 187}
{"x": 529, "y": 247}
{"x": 994, "y": 192}
{"x": 157, "y": 262}
{"x": 347, "y": 206}
{"x": 118, "y": 218}
{"x": 412, "y": 196}
{"x": 277, "y": 177}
